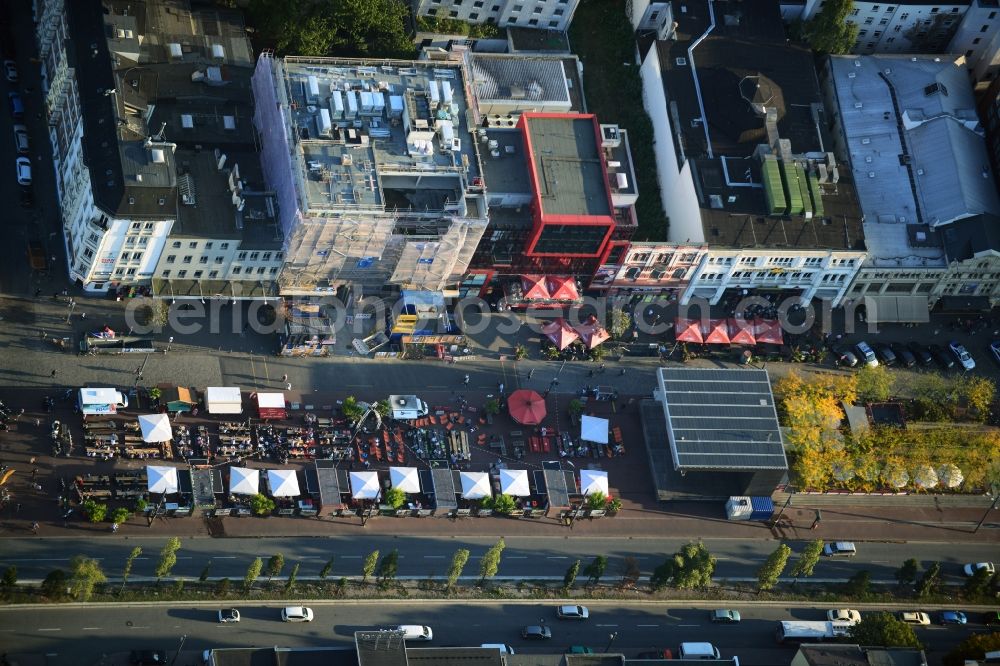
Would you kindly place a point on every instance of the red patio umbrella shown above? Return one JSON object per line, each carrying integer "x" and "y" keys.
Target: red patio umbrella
{"x": 560, "y": 333}
{"x": 534, "y": 287}
{"x": 526, "y": 407}
{"x": 592, "y": 333}
{"x": 563, "y": 288}
{"x": 741, "y": 332}
{"x": 718, "y": 332}
{"x": 688, "y": 330}
{"x": 769, "y": 331}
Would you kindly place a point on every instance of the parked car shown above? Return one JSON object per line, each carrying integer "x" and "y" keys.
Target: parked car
{"x": 840, "y": 549}
{"x": 885, "y": 354}
{"x": 572, "y": 612}
{"x": 503, "y": 647}
{"x": 21, "y": 142}
{"x": 843, "y": 615}
{"x": 905, "y": 356}
{"x": 535, "y": 632}
{"x": 229, "y": 615}
{"x": 23, "y": 171}
{"x": 10, "y": 70}
{"x": 579, "y": 649}
{"x": 416, "y": 632}
{"x": 37, "y": 258}
{"x": 845, "y": 356}
{"x": 941, "y": 356}
{"x": 923, "y": 356}
{"x": 27, "y": 197}
{"x": 16, "y": 105}
{"x": 725, "y": 616}
{"x": 665, "y": 653}
{"x": 147, "y": 657}
{"x": 952, "y": 617}
{"x": 962, "y": 354}
{"x": 296, "y": 614}
{"x": 991, "y": 618}
{"x": 865, "y": 354}
{"x": 995, "y": 350}
{"x": 971, "y": 568}
{"x": 914, "y": 617}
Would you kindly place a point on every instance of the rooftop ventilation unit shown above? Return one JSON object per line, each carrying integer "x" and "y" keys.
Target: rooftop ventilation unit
{"x": 681, "y": 62}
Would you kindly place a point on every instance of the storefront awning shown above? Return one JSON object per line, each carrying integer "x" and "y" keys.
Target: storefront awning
{"x": 887, "y": 309}
{"x": 271, "y": 405}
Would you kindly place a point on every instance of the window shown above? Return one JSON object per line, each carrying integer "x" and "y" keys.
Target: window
{"x": 453, "y": 13}
{"x": 278, "y": 256}
{"x": 984, "y": 28}
{"x": 170, "y": 258}
{"x": 241, "y": 256}
{"x": 202, "y": 260}
{"x": 992, "y": 16}
{"x": 814, "y": 261}
{"x": 165, "y": 274}
{"x": 517, "y": 8}
{"x": 197, "y": 274}
{"x": 878, "y": 33}
{"x": 862, "y": 33}
{"x": 274, "y": 271}
{"x": 218, "y": 260}
{"x": 474, "y": 16}
{"x": 884, "y": 21}
{"x": 266, "y": 257}
{"x": 904, "y": 15}
{"x": 260, "y": 271}
{"x": 143, "y": 240}
{"x": 968, "y": 54}
{"x": 254, "y": 256}
{"x": 855, "y": 12}
{"x": 193, "y": 244}
{"x": 130, "y": 240}
{"x": 890, "y": 40}
{"x": 875, "y": 8}
{"x": 975, "y": 41}
{"x": 869, "y": 20}
{"x": 148, "y": 226}
{"x": 477, "y": 4}
{"x": 136, "y": 226}
{"x": 224, "y": 246}
{"x": 119, "y": 271}
{"x": 553, "y": 24}
{"x": 536, "y": 10}
{"x": 236, "y": 270}
{"x": 208, "y": 245}
{"x": 890, "y": 9}
{"x": 213, "y": 274}
{"x": 175, "y": 244}
{"x": 130, "y": 271}
{"x": 182, "y": 274}
{"x": 934, "y": 10}
{"x": 559, "y": 12}
{"x": 187, "y": 259}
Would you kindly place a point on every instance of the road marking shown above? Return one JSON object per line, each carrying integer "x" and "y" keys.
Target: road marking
{"x": 51, "y": 654}
{"x": 688, "y": 625}
{"x": 607, "y": 625}
{"x": 54, "y": 629}
{"x": 434, "y": 557}
{"x": 556, "y": 557}
{"x": 233, "y": 557}
{"x": 134, "y": 627}
{"x": 350, "y": 557}
{"x": 647, "y": 625}
{"x": 516, "y": 557}
{"x": 880, "y": 561}
{"x": 91, "y": 628}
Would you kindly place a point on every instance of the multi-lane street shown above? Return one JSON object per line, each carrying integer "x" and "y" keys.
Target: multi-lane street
{"x": 420, "y": 557}
{"x": 81, "y": 635}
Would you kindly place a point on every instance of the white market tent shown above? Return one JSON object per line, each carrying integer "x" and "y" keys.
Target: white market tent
{"x": 364, "y": 485}
{"x": 223, "y": 400}
{"x": 161, "y": 479}
{"x": 594, "y": 429}
{"x": 283, "y": 483}
{"x": 475, "y": 485}
{"x": 593, "y": 481}
{"x": 244, "y": 481}
{"x": 155, "y": 428}
{"x": 514, "y": 482}
{"x": 405, "y": 478}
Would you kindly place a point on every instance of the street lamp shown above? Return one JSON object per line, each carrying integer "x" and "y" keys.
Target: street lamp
{"x": 179, "y": 648}
{"x": 611, "y": 639}
{"x": 170, "y": 341}
{"x": 996, "y": 498}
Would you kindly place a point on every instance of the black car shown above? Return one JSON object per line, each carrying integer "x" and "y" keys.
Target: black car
{"x": 148, "y": 657}
{"x": 845, "y": 356}
{"x": 905, "y": 356}
{"x": 27, "y": 197}
{"x": 920, "y": 352}
{"x": 991, "y": 618}
{"x": 885, "y": 355}
{"x": 536, "y": 632}
{"x": 942, "y": 356}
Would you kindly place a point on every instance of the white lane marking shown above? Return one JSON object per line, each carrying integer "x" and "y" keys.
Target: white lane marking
{"x": 607, "y": 625}
{"x": 516, "y": 557}
{"x": 134, "y": 627}
{"x": 688, "y": 625}
{"x": 91, "y": 628}
{"x": 51, "y": 654}
{"x": 647, "y": 625}
{"x": 228, "y": 557}
{"x": 556, "y": 557}
{"x": 880, "y": 561}
{"x": 36, "y": 559}
{"x": 350, "y": 557}
{"x": 55, "y": 629}
{"x": 434, "y": 557}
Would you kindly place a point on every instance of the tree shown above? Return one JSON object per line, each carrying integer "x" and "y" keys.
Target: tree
{"x": 874, "y": 383}
{"x": 883, "y": 630}
{"x": 808, "y": 560}
{"x": 222, "y": 587}
{"x": 292, "y": 576}
{"x": 492, "y": 406}
{"x": 575, "y": 408}
{"x": 662, "y": 575}
{"x": 203, "y": 576}
{"x": 351, "y": 410}
{"x": 977, "y": 393}
{"x": 168, "y": 558}
{"x": 907, "y": 574}
{"x": 54, "y": 584}
{"x": 368, "y": 567}
{"x": 327, "y": 568}
{"x": 830, "y": 32}
{"x": 596, "y": 569}
{"x": 619, "y": 322}
{"x": 571, "y": 573}
{"x": 490, "y": 563}
{"x": 382, "y": 408}
{"x": 95, "y": 511}
{"x": 630, "y": 572}
{"x": 930, "y": 581}
{"x": 973, "y": 648}
{"x": 274, "y": 566}
{"x": 9, "y": 577}
{"x": 84, "y": 574}
{"x": 127, "y": 569}
{"x": 774, "y": 565}
{"x": 261, "y": 505}
{"x": 693, "y": 566}
{"x": 458, "y": 561}
{"x": 253, "y": 573}
{"x": 504, "y": 504}
{"x": 395, "y": 497}
{"x": 977, "y": 584}
{"x": 520, "y": 352}
{"x": 389, "y": 566}
{"x": 120, "y": 515}
{"x": 858, "y": 587}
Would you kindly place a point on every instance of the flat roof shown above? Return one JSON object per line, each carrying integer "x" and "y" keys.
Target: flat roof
{"x": 721, "y": 419}
{"x": 569, "y": 171}
{"x": 505, "y": 168}
{"x": 519, "y": 78}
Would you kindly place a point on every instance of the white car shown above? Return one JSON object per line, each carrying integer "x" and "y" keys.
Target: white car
{"x": 23, "y": 171}
{"x": 915, "y": 617}
{"x": 296, "y": 614}
{"x": 416, "y": 632}
{"x": 962, "y": 354}
{"x": 10, "y": 70}
{"x": 971, "y": 568}
{"x": 572, "y": 612}
{"x": 21, "y": 139}
{"x": 843, "y": 615}
{"x": 229, "y": 615}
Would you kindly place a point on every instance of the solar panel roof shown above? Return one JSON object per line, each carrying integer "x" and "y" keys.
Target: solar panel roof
{"x": 721, "y": 419}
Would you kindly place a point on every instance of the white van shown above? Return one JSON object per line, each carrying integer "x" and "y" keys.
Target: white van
{"x": 407, "y": 407}
{"x": 699, "y": 651}
{"x": 504, "y": 649}
{"x": 101, "y": 401}
{"x": 415, "y": 632}
{"x": 840, "y": 549}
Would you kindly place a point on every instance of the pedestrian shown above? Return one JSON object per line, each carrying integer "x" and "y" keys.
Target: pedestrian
{"x": 501, "y": 388}
{"x": 83, "y": 315}
{"x": 591, "y": 373}
{"x": 38, "y": 423}
{"x": 114, "y": 527}
{"x": 531, "y": 372}
{"x": 32, "y": 461}
{"x": 623, "y": 372}
{"x": 467, "y": 380}
{"x": 34, "y": 473}
{"x": 65, "y": 292}
{"x": 53, "y": 374}
{"x": 288, "y": 386}
{"x": 18, "y": 509}
{"x": 602, "y": 368}
{"x": 38, "y": 292}
{"x": 42, "y": 334}
{"x": 34, "y": 527}
{"x": 284, "y": 378}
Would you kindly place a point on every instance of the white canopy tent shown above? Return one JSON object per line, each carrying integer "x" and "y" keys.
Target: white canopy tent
{"x": 161, "y": 479}
{"x": 243, "y": 481}
{"x": 514, "y": 482}
{"x": 364, "y": 485}
{"x": 283, "y": 483}
{"x": 223, "y": 400}
{"x": 475, "y": 485}
{"x": 594, "y": 429}
{"x": 593, "y": 481}
{"x": 405, "y": 478}
{"x": 155, "y": 428}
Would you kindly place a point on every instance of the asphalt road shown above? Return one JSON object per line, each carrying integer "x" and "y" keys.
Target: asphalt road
{"x": 69, "y": 635}
{"x": 421, "y": 557}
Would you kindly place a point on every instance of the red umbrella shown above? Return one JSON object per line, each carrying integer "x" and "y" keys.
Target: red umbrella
{"x": 769, "y": 331}
{"x": 563, "y": 288}
{"x": 534, "y": 287}
{"x": 592, "y": 333}
{"x": 526, "y": 407}
{"x": 688, "y": 330}
{"x": 560, "y": 333}
{"x": 741, "y": 332}
{"x": 718, "y": 332}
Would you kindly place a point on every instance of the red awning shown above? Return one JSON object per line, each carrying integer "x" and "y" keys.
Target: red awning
{"x": 741, "y": 332}
{"x": 270, "y": 405}
{"x": 718, "y": 332}
{"x": 526, "y": 407}
{"x": 688, "y": 330}
{"x": 563, "y": 288}
{"x": 769, "y": 331}
{"x": 533, "y": 287}
{"x": 592, "y": 333}
{"x": 560, "y": 333}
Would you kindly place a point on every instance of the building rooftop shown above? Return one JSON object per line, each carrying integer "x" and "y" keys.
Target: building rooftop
{"x": 855, "y": 655}
{"x": 279, "y": 656}
{"x": 567, "y": 166}
{"x": 972, "y": 236}
{"x": 504, "y": 77}
{"x": 721, "y": 419}
{"x": 505, "y": 168}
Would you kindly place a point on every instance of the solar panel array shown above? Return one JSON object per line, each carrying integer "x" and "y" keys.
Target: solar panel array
{"x": 721, "y": 419}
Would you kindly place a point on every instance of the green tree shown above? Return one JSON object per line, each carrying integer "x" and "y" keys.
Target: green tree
{"x": 596, "y": 569}
{"x": 129, "y": 561}
{"x": 490, "y": 563}
{"x": 120, "y": 515}
{"x": 874, "y": 383}
{"x": 395, "y": 498}
{"x": 808, "y": 560}
{"x": 261, "y": 505}
{"x": 630, "y": 572}
{"x": 351, "y": 410}
{"x": 504, "y": 504}
{"x": 274, "y": 566}
{"x": 292, "y": 577}
{"x": 930, "y": 581}
{"x": 54, "y": 584}
{"x": 774, "y": 565}
{"x": 252, "y": 574}
{"x": 85, "y": 574}
{"x": 575, "y": 408}
{"x": 977, "y": 584}
{"x": 693, "y": 566}
{"x": 973, "y": 648}
{"x": 907, "y": 574}
{"x": 858, "y": 587}
{"x": 619, "y": 322}
{"x": 203, "y": 576}
{"x": 883, "y": 630}
{"x": 389, "y": 566}
{"x": 458, "y": 561}
{"x": 222, "y": 587}
{"x": 95, "y": 511}
{"x": 327, "y": 568}
{"x": 9, "y": 577}
{"x": 829, "y": 31}
{"x": 368, "y": 567}
{"x": 168, "y": 558}
{"x": 977, "y": 393}
{"x": 570, "y": 576}
{"x": 492, "y": 406}
{"x": 382, "y": 408}
{"x": 662, "y": 575}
